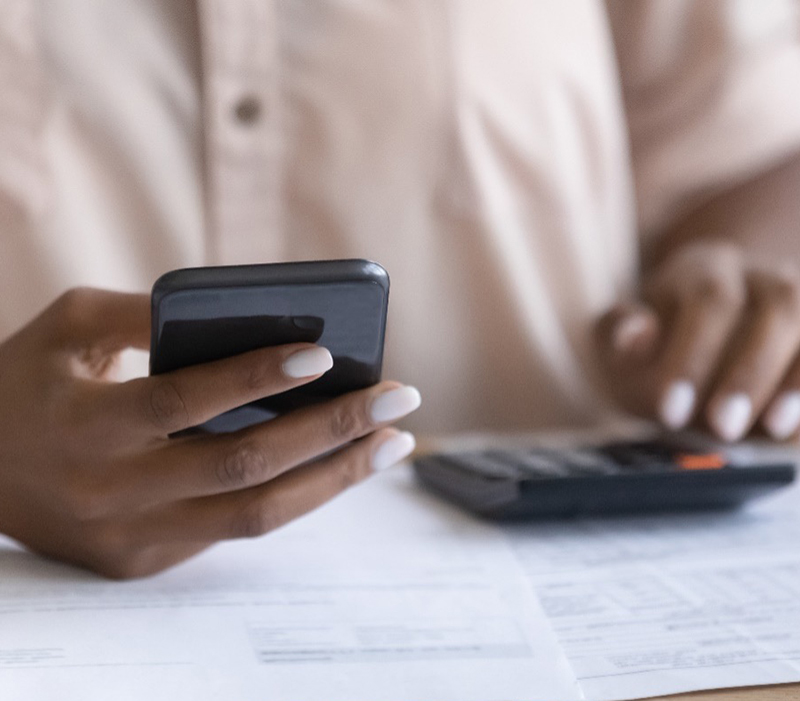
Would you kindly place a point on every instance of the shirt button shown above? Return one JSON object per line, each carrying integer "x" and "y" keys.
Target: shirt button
{"x": 248, "y": 109}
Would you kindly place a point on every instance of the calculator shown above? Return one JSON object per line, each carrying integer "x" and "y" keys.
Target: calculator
{"x": 669, "y": 473}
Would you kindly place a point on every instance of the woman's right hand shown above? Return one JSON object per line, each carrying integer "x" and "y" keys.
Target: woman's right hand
{"x": 89, "y": 475}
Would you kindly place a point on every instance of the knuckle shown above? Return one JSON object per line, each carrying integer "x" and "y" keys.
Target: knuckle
{"x": 347, "y": 421}
{"x": 719, "y": 292}
{"x": 258, "y": 376}
{"x": 166, "y": 407}
{"x": 74, "y": 307}
{"x": 783, "y": 294}
{"x": 255, "y": 520}
{"x": 75, "y": 301}
{"x": 243, "y": 465}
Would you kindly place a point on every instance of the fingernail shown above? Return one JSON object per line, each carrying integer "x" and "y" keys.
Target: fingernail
{"x": 393, "y": 450}
{"x": 308, "y": 362}
{"x": 395, "y": 403}
{"x": 783, "y": 417}
{"x": 732, "y": 416}
{"x": 628, "y": 331}
{"x": 677, "y": 406}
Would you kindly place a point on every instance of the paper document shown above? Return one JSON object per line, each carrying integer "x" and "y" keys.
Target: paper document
{"x": 383, "y": 595}
{"x": 389, "y": 595}
{"x": 661, "y": 605}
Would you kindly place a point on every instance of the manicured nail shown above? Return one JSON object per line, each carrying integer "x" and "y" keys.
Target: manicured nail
{"x": 308, "y": 362}
{"x": 628, "y": 331}
{"x": 395, "y": 403}
{"x": 783, "y": 417}
{"x": 393, "y": 450}
{"x": 677, "y": 407}
{"x": 732, "y": 416}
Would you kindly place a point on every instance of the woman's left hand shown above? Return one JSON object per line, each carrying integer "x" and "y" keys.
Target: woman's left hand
{"x": 715, "y": 341}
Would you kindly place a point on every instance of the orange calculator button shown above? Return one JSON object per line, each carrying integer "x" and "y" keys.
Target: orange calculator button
{"x": 709, "y": 461}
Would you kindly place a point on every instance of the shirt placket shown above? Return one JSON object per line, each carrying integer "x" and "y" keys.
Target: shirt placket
{"x": 242, "y": 141}
{"x": 24, "y": 108}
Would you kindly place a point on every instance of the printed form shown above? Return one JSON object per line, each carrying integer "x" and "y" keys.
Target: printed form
{"x": 383, "y": 595}
{"x": 389, "y": 595}
{"x": 662, "y": 605}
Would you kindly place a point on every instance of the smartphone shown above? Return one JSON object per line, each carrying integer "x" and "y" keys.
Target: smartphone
{"x": 204, "y": 314}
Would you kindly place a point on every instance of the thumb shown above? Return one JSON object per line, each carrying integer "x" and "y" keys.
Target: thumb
{"x": 629, "y": 332}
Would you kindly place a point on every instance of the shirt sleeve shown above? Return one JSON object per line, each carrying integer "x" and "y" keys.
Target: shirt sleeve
{"x": 712, "y": 96}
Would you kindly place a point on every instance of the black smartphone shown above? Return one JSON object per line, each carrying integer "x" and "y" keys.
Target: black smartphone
{"x": 205, "y": 314}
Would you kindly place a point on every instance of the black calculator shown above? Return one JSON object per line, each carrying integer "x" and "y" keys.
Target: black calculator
{"x": 670, "y": 473}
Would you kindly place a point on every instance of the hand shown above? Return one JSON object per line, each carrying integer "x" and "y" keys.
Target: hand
{"x": 88, "y": 475}
{"x": 715, "y": 340}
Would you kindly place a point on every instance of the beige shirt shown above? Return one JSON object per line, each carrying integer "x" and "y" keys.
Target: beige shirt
{"x": 502, "y": 160}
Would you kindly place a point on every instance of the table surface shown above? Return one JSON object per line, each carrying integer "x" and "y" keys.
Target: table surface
{"x": 784, "y": 692}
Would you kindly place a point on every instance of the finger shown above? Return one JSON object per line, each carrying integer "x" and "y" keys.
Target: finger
{"x": 627, "y": 338}
{"x": 208, "y": 465}
{"x": 761, "y": 359}
{"x": 782, "y": 418}
{"x": 629, "y": 331}
{"x": 254, "y": 512}
{"x": 703, "y": 318}
{"x": 112, "y": 320}
{"x": 172, "y": 402}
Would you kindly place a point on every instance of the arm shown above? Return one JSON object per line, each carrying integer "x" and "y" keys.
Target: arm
{"x": 715, "y": 131}
{"x": 762, "y": 216}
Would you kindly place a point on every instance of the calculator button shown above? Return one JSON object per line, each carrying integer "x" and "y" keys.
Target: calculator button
{"x": 589, "y": 462}
{"x": 695, "y": 461}
{"x": 486, "y": 464}
{"x": 620, "y": 453}
{"x": 538, "y": 464}
{"x": 640, "y": 457}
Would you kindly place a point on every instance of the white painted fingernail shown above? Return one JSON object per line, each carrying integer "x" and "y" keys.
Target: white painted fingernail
{"x": 628, "y": 331}
{"x": 308, "y": 362}
{"x": 732, "y": 416}
{"x": 783, "y": 417}
{"x": 677, "y": 406}
{"x": 393, "y": 450}
{"x": 395, "y": 403}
